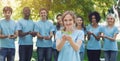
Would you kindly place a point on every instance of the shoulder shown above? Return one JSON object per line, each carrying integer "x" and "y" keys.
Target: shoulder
{"x": 58, "y": 32}
{"x": 48, "y": 21}
{"x": 2, "y": 20}
{"x": 21, "y": 21}
{"x": 79, "y": 31}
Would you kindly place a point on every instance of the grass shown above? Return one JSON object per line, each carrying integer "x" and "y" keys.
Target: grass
{"x": 85, "y": 58}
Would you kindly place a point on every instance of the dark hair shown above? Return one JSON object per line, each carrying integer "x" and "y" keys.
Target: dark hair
{"x": 25, "y": 8}
{"x": 58, "y": 24}
{"x": 7, "y": 8}
{"x": 83, "y": 26}
{"x": 58, "y": 15}
{"x": 97, "y": 16}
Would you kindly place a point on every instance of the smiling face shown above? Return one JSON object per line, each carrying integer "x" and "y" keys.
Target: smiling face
{"x": 93, "y": 19}
{"x": 68, "y": 21}
{"x": 7, "y": 11}
{"x": 7, "y": 14}
{"x": 43, "y": 14}
{"x": 79, "y": 21}
{"x": 26, "y": 12}
{"x": 110, "y": 20}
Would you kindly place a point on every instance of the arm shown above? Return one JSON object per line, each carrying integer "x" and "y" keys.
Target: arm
{"x": 14, "y": 36}
{"x": 33, "y": 33}
{"x": 111, "y": 38}
{"x": 75, "y": 45}
{"x": 22, "y": 34}
{"x": 39, "y": 36}
{"x": 96, "y": 37}
{"x": 48, "y": 37}
{"x": 60, "y": 43}
{"x": 2, "y": 36}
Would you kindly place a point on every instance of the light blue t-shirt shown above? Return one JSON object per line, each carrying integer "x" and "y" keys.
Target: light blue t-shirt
{"x": 108, "y": 44}
{"x": 7, "y": 28}
{"x": 44, "y": 28}
{"x": 54, "y": 40}
{"x": 82, "y": 48}
{"x": 26, "y": 26}
{"x": 67, "y": 53}
{"x": 93, "y": 44}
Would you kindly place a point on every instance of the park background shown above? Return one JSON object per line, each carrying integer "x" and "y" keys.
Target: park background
{"x": 80, "y": 7}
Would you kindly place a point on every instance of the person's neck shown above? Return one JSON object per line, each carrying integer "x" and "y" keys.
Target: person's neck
{"x": 26, "y": 18}
{"x": 7, "y": 19}
{"x": 79, "y": 27}
{"x": 110, "y": 26}
{"x": 95, "y": 25}
{"x": 69, "y": 30}
{"x": 43, "y": 19}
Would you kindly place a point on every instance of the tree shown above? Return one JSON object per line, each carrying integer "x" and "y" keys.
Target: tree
{"x": 80, "y": 7}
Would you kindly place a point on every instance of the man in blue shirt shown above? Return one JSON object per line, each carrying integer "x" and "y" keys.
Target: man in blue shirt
{"x": 26, "y": 34}
{"x": 44, "y": 34}
{"x": 8, "y": 33}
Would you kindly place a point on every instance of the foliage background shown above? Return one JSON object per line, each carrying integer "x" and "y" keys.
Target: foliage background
{"x": 80, "y": 7}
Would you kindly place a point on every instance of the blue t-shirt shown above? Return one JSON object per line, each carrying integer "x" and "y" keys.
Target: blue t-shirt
{"x": 93, "y": 44}
{"x": 82, "y": 48}
{"x": 54, "y": 40}
{"x": 26, "y": 26}
{"x": 44, "y": 28}
{"x": 7, "y": 28}
{"x": 67, "y": 53}
{"x": 108, "y": 44}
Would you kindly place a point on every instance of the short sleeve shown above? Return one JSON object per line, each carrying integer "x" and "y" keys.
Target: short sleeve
{"x": 19, "y": 26}
{"x": 58, "y": 35}
{"x": 88, "y": 27}
{"x": 36, "y": 28}
{"x": 80, "y": 36}
{"x": 116, "y": 31}
{"x": 0, "y": 27}
{"x": 51, "y": 27}
{"x": 101, "y": 28}
{"x": 16, "y": 26}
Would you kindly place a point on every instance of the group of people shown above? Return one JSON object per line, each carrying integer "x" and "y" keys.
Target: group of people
{"x": 69, "y": 35}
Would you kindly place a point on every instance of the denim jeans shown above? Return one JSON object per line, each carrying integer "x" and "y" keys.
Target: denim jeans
{"x": 7, "y": 53}
{"x": 110, "y": 55}
{"x": 93, "y": 55}
{"x": 44, "y": 53}
{"x": 55, "y": 54}
{"x": 81, "y": 56}
{"x": 25, "y": 52}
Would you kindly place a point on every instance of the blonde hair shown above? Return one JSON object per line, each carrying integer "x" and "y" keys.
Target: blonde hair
{"x": 69, "y": 13}
{"x": 112, "y": 15}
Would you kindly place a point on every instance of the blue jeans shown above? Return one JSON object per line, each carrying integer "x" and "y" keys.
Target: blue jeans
{"x": 55, "y": 54}
{"x": 44, "y": 53}
{"x": 81, "y": 56}
{"x": 7, "y": 53}
{"x": 25, "y": 52}
{"x": 110, "y": 55}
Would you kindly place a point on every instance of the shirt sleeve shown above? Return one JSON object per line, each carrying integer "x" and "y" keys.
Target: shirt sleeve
{"x": 51, "y": 27}
{"x": 80, "y": 36}
{"x": 116, "y": 31}
{"x": 36, "y": 28}
{"x": 58, "y": 35}
{"x": 18, "y": 26}
{"x": 0, "y": 27}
